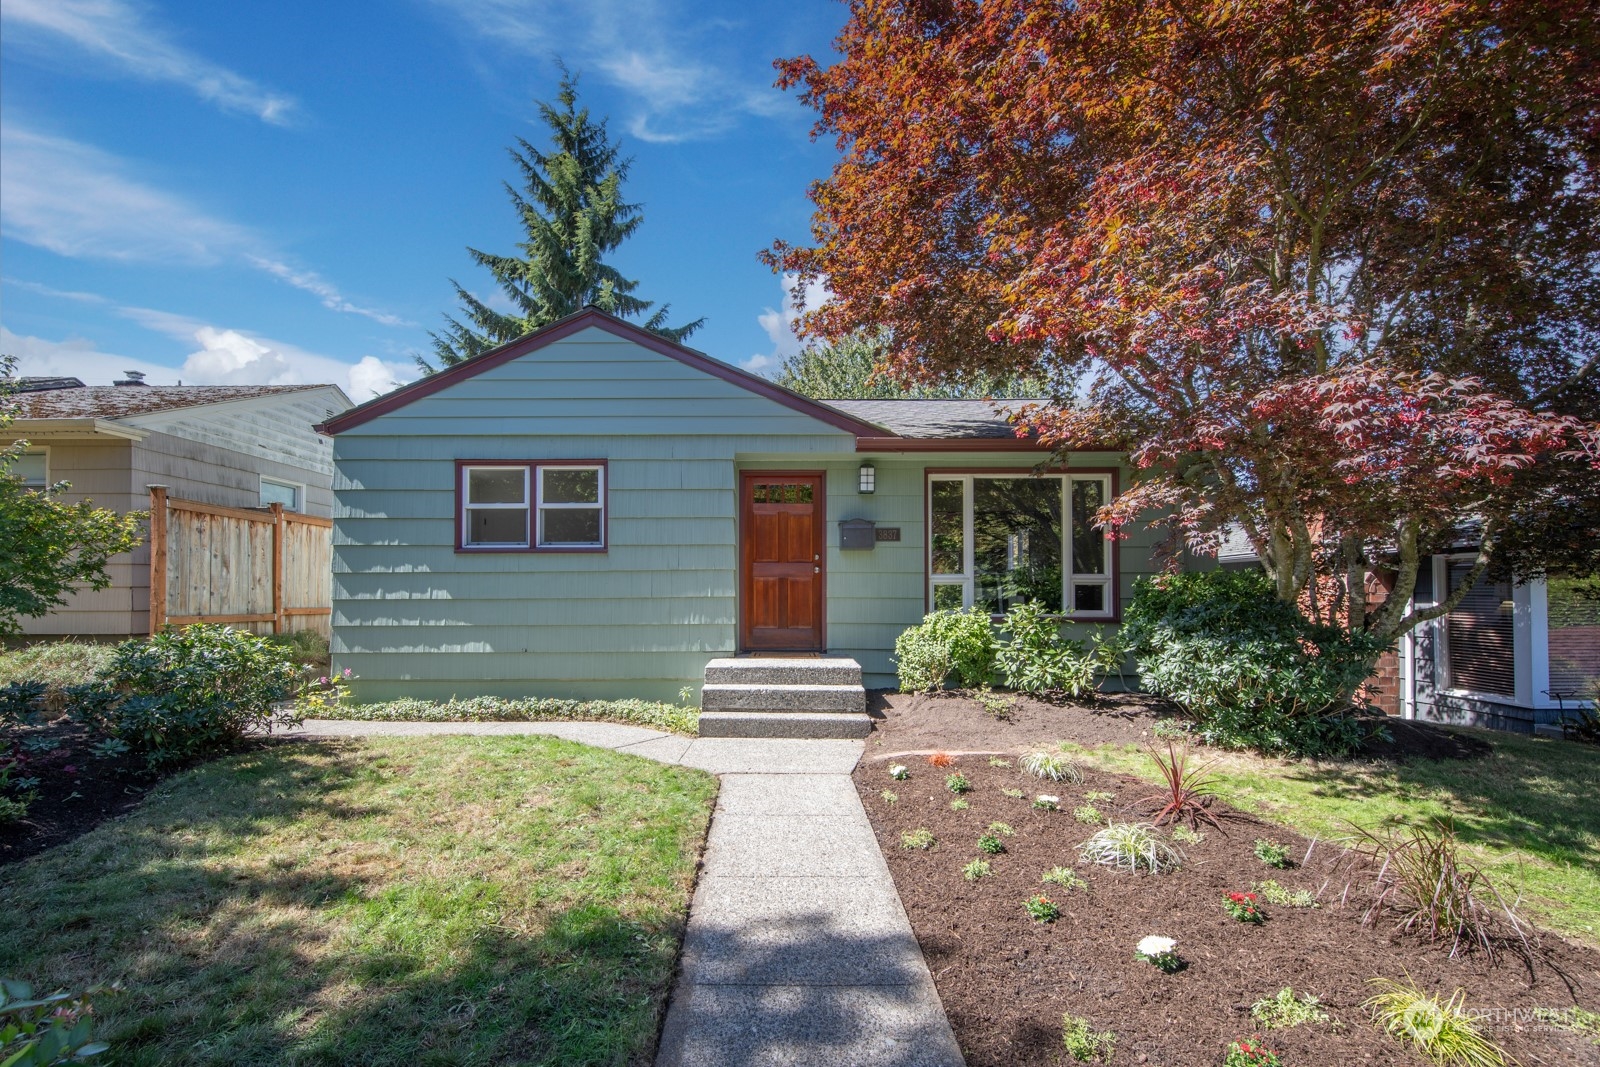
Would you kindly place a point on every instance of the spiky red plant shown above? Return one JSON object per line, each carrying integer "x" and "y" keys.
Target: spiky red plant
{"x": 1187, "y": 791}
{"x": 942, "y": 759}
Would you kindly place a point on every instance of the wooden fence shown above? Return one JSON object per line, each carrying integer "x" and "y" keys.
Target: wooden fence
{"x": 270, "y": 570}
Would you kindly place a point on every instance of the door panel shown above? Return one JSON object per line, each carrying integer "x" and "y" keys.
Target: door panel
{"x": 782, "y": 559}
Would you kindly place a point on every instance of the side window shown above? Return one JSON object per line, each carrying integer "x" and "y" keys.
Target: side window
{"x": 571, "y": 507}
{"x": 33, "y": 468}
{"x": 533, "y": 506}
{"x": 290, "y": 495}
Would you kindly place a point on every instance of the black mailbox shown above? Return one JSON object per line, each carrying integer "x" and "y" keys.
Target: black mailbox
{"x": 857, "y": 533}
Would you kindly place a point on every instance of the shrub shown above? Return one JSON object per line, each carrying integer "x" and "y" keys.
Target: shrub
{"x": 1038, "y": 660}
{"x": 889, "y": 796}
{"x": 1042, "y": 908}
{"x": 957, "y": 783}
{"x": 1131, "y": 846}
{"x": 975, "y": 870}
{"x": 1083, "y": 1042}
{"x": 193, "y": 691}
{"x": 1273, "y": 893}
{"x": 946, "y": 642}
{"x": 1251, "y": 669}
{"x": 1087, "y": 813}
{"x": 37, "y": 680}
{"x": 1065, "y": 877}
{"x": 308, "y": 647}
{"x": 1431, "y": 891}
{"x": 58, "y": 1028}
{"x": 991, "y": 844}
{"x": 1051, "y": 766}
{"x": 1243, "y": 907}
{"x": 1442, "y": 1030}
{"x": 1250, "y": 1052}
{"x": 921, "y": 838}
{"x": 1285, "y": 1010}
{"x": 657, "y": 715}
{"x": 1272, "y": 854}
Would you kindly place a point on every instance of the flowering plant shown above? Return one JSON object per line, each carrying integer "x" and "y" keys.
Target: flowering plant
{"x": 1043, "y": 909}
{"x": 1250, "y": 1052}
{"x": 1162, "y": 952}
{"x": 1243, "y": 906}
{"x": 319, "y": 698}
{"x": 898, "y": 771}
{"x": 1046, "y": 802}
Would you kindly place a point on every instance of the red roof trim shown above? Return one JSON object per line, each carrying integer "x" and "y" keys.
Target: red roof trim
{"x": 949, "y": 444}
{"x": 576, "y": 323}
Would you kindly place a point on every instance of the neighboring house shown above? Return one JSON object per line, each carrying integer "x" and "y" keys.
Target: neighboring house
{"x": 1510, "y": 656}
{"x": 593, "y": 511}
{"x": 241, "y": 446}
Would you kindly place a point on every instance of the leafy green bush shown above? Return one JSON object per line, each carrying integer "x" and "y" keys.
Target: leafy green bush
{"x": 946, "y": 642}
{"x": 1037, "y": 659}
{"x": 659, "y": 716}
{"x": 308, "y": 646}
{"x": 39, "y": 674}
{"x": 189, "y": 692}
{"x": 1253, "y": 670}
{"x": 37, "y": 1031}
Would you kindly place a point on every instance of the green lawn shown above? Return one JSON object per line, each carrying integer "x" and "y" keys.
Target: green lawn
{"x": 447, "y": 900}
{"x": 1528, "y": 814}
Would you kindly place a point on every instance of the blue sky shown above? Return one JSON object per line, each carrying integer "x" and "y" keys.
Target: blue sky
{"x": 276, "y": 192}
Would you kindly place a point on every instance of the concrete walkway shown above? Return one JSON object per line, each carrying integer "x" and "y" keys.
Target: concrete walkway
{"x": 798, "y": 951}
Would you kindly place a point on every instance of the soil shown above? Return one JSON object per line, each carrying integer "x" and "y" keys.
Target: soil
{"x": 77, "y": 790}
{"x": 955, "y": 722}
{"x": 1006, "y": 980}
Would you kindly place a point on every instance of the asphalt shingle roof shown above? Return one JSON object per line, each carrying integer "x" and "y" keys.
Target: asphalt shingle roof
{"x": 122, "y": 401}
{"x": 946, "y": 419}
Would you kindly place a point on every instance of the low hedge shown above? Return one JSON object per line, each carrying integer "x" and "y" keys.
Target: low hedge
{"x": 670, "y": 717}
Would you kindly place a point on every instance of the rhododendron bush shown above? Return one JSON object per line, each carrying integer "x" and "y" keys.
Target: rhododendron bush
{"x": 1328, "y": 272}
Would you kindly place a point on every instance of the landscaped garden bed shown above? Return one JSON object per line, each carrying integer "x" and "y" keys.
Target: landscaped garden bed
{"x": 400, "y": 900}
{"x": 1007, "y": 978}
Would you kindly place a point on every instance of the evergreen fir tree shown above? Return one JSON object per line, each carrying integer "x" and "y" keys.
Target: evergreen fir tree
{"x": 572, "y": 210}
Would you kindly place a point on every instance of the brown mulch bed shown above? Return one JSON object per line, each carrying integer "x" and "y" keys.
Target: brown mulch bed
{"x": 1006, "y": 980}
{"x": 77, "y": 790}
{"x": 955, "y": 722}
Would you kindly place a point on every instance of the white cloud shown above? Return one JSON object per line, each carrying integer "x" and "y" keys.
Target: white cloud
{"x": 77, "y": 201}
{"x": 115, "y": 32}
{"x": 779, "y": 324}
{"x": 218, "y": 356}
{"x": 684, "y": 85}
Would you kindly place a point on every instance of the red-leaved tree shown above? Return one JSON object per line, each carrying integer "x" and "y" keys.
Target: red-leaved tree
{"x": 1328, "y": 270}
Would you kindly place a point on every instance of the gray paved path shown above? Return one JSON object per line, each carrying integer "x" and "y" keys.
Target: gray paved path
{"x": 798, "y": 951}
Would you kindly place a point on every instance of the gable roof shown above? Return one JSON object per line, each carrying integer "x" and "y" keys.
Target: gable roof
{"x": 594, "y": 318}
{"x": 124, "y": 401}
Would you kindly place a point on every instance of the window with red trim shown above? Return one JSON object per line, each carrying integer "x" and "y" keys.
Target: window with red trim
{"x": 532, "y": 506}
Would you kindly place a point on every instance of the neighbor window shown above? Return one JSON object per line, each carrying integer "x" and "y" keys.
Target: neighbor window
{"x": 1480, "y": 635}
{"x": 533, "y": 505}
{"x": 290, "y": 495}
{"x": 33, "y": 468}
{"x": 999, "y": 540}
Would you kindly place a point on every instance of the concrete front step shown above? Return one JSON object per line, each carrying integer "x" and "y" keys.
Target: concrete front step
{"x": 777, "y": 670}
{"x": 783, "y": 698}
{"x": 808, "y": 724}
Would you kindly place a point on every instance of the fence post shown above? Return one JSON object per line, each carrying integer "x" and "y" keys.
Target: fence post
{"x": 279, "y": 620}
{"x": 158, "y": 558}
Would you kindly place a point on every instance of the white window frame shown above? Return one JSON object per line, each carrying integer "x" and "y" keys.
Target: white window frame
{"x": 540, "y": 506}
{"x": 1522, "y": 694}
{"x": 299, "y": 489}
{"x": 966, "y": 579}
{"x": 467, "y": 507}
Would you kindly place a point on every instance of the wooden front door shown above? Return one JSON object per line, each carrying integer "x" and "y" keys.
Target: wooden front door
{"x": 783, "y": 551}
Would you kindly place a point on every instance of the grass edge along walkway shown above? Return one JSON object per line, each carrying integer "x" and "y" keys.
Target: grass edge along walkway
{"x": 419, "y": 900}
{"x": 1526, "y": 813}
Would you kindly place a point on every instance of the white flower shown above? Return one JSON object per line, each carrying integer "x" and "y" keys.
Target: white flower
{"x": 898, "y": 770}
{"x": 1156, "y": 946}
{"x": 1046, "y": 798}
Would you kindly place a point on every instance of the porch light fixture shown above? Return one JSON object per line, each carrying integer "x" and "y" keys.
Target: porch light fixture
{"x": 869, "y": 479}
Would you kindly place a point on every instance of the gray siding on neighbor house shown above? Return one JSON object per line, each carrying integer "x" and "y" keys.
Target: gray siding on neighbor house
{"x": 415, "y": 617}
{"x": 215, "y": 454}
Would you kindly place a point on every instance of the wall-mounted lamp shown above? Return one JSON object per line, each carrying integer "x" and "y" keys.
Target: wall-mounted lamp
{"x": 869, "y": 479}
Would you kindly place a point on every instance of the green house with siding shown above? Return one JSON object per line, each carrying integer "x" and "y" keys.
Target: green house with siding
{"x": 594, "y": 511}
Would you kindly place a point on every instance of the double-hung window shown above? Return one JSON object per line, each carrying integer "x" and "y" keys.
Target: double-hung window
{"x": 999, "y": 540}
{"x": 33, "y": 468}
{"x": 557, "y": 506}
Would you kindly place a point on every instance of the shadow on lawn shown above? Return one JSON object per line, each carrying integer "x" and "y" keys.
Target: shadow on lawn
{"x": 1527, "y": 794}
{"x": 344, "y": 953}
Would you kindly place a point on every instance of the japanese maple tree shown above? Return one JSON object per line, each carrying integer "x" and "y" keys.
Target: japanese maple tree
{"x": 1331, "y": 268}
